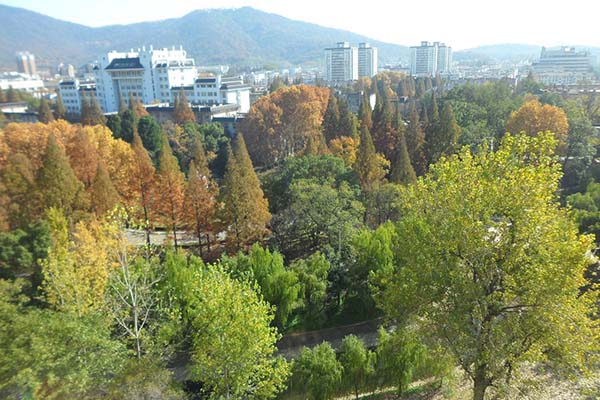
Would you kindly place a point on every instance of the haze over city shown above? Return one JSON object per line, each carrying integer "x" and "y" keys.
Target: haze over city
{"x": 464, "y": 23}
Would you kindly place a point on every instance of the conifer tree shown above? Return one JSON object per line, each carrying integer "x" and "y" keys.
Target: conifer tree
{"x": 365, "y": 113}
{"x": 144, "y": 181}
{"x": 56, "y": 183}
{"x": 83, "y": 157}
{"x": 182, "y": 111}
{"x": 367, "y": 166}
{"x": 449, "y": 130}
{"x": 113, "y": 122}
{"x": 12, "y": 96}
{"x": 104, "y": 196}
{"x": 402, "y": 171}
{"x": 122, "y": 105}
{"x": 85, "y": 113}
{"x": 98, "y": 117}
{"x": 435, "y": 146}
{"x": 128, "y": 126}
{"x": 245, "y": 211}
{"x": 2, "y": 96}
{"x": 135, "y": 105}
{"x": 170, "y": 189}
{"x": 348, "y": 124}
{"x": 331, "y": 119}
{"x": 384, "y": 134}
{"x": 415, "y": 142}
{"x": 424, "y": 118}
{"x": 44, "y": 113}
{"x": 59, "y": 108}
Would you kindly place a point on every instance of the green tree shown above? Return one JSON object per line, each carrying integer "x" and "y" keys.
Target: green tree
{"x": 312, "y": 276}
{"x": 348, "y": 122}
{"x": 128, "y": 125}
{"x": 492, "y": 265}
{"x": 122, "y": 105}
{"x": 12, "y": 96}
{"x": 56, "y": 183}
{"x": 2, "y": 96}
{"x": 113, "y": 122}
{"x": 435, "y": 145}
{"x": 331, "y": 119}
{"x": 449, "y": 131}
{"x": 399, "y": 354}
{"x": 357, "y": 363}
{"x": 44, "y": 113}
{"x": 365, "y": 113}
{"x": 151, "y": 135}
{"x": 319, "y": 372}
{"x": 368, "y": 166}
{"x": 402, "y": 171}
{"x": 415, "y": 143}
{"x": 91, "y": 114}
{"x": 59, "y": 107}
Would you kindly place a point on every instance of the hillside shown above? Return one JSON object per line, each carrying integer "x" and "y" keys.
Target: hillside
{"x": 237, "y": 36}
{"x": 510, "y": 52}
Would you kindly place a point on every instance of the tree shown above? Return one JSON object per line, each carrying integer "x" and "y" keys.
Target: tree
{"x": 83, "y": 156}
{"x": 135, "y": 105}
{"x": 368, "y": 165}
{"x": 44, "y": 112}
{"x": 348, "y": 123}
{"x": 415, "y": 143}
{"x": 144, "y": 182}
{"x": 151, "y": 135}
{"x": 533, "y": 118}
{"x": 128, "y": 126}
{"x": 435, "y": 144}
{"x": 56, "y": 183}
{"x": 113, "y": 122}
{"x": 318, "y": 371}
{"x": 491, "y": 264}
{"x": 364, "y": 112}
{"x": 312, "y": 277}
{"x": 91, "y": 114}
{"x": 2, "y": 96}
{"x": 59, "y": 107}
{"x": 232, "y": 342}
{"x": 331, "y": 119}
{"x": 12, "y": 96}
{"x": 402, "y": 171}
{"x": 170, "y": 190}
{"x": 122, "y": 105}
{"x": 104, "y": 196}
{"x": 17, "y": 184}
{"x": 448, "y": 131}
{"x": 182, "y": 111}
{"x": 345, "y": 148}
{"x": 357, "y": 363}
{"x": 245, "y": 210}
{"x": 384, "y": 133}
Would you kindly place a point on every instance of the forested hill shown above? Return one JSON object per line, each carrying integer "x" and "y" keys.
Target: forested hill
{"x": 235, "y": 36}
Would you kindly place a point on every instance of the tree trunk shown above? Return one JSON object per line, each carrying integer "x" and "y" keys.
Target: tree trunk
{"x": 480, "y": 384}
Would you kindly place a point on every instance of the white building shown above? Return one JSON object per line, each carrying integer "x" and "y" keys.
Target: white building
{"x": 26, "y": 63}
{"x": 564, "y": 66}
{"x": 217, "y": 90}
{"x": 367, "y": 60}
{"x": 430, "y": 59}
{"x": 72, "y": 92}
{"x": 341, "y": 63}
{"x": 21, "y": 81}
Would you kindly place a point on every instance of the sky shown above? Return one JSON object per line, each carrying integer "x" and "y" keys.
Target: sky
{"x": 461, "y": 24}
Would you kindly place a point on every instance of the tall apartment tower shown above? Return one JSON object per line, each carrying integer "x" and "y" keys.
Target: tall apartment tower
{"x": 341, "y": 63}
{"x": 26, "y": 63}
{"x": 367, "y": 60}
{"x": 430, "y": 59}
{"x": 564, "y": 66}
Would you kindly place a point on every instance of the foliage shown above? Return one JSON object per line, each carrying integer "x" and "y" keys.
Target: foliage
{"x": 358, "y": 364}
{"x": 312, "y": 277}
{"x": 369, "y": 167}
{"x": 44, "y": 112}
{"x": 182, "y": 112}
{"x": 319, "y": 372}
{"x": 150, "y": 133}
{"x": 491, "y": 265}
{"x": 402, "y": 171}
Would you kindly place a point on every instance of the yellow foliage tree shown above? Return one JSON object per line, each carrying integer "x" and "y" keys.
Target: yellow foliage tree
{"x": 344, "y": 147}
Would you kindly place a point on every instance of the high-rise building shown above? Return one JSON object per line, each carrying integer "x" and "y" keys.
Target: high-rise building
{"x": 367, "y": 60}
{"x": 430, "y": 59}
{"x": 341, "y": 63}
{"x": 564, "y": 66}
{"x": 26, "y": 63}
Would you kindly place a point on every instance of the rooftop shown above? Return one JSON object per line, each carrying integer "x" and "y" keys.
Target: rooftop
{"x": 125, "y": 63}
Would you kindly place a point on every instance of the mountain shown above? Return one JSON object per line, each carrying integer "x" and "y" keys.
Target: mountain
{"x": 510, "y": 52}
{"x": 243, "y": 36}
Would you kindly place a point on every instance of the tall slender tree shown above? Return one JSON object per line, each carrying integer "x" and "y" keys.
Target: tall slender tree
{"x": 449, "y": 130}
{"x": 331, "y": 119}
{"x": 128, "y": 126}
{"x": 44, "y": 113}
{"x": 135, "y": 105}
{"x": 122, "y": 105}
{"x": 59, "y": 107}
{"x": 170, "y": 189}
{"x": 144, "y": 181}
{"x": 415, "y": 142}
{"x": 367, "y": 165}
{"x": 402, "y": 171}
{"x": 104, "y": 196}
{"x": 182, "y": 112}
{"x": 348, "y": 122}
{"x": 364, "y": 112}
{"x": 435, "y": 146}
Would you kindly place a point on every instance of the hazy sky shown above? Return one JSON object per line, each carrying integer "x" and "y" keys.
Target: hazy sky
{"x": 460, "y": 23}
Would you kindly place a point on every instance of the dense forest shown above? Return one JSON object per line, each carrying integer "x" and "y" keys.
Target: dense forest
{"x": 471, "y": 246}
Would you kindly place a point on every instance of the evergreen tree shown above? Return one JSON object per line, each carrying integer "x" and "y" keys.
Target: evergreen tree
{"x": 402, "y": 171}
{"x": 59, "y": 107}
{"x": 348, "y": 124}
{"x": 113, "y": 122}
{"x": 122, "y": 105}
{"x": 12, "y": 96}
{"x": 182, "y": 111}
{"x": 415, "y": 142}
{"x": 150, "y": 133}
{"x": 98, "y": 117}
{"x": 128, "y": 126}
{"x": 449, "y": 130}
{"x": 365, "y": 113}
{"x": 104, "y": 196}
{"x": 331, "y": 119}
{"x": 420, "y": 88}
{"x": 435, "y": 146}
{"x": 424, "y": 118}
{"x": 44, "y": 113}
{"x": 135, "y": 105}
{"x": 170, "y": 189}
{"x": 56, "y": 183}
{"x": 367, "y": 166}
{"x": 246, "y": 211}
{"x": 84, "y": 114}
{"x": 384, "y": 134}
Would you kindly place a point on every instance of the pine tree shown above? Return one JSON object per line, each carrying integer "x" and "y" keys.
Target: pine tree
{"x": 135, "y": 105}
{"x": 348, "y": 124}
{"x": 449, "y": 130}
{"x": 59, "y": 107}
{"x": 104, "y": 196}
{"x": 85, "y": 113}
{"x": 144, "y": 181}
{"x": 331, "y": 119}
{"x": 435, "y": 145}
{"x": 122, "y": 105}
{"x": 170, "y": 189}
{"x": 44, "y": 114}
{"x": 364, "y": 112}
{"x": 402, "y": 171}
{"x": 128, "y": 126}
{"x": 56, "y": 183}
{"x": 384, "y": 134}
{"x": 367, "y": 166}
{"x": 182, "y": 111}
{"x": 113, "y": 122}
{"x": 415, "y": 142}
{"x": 245, "y": 212}
{"x": 98, "y": 117}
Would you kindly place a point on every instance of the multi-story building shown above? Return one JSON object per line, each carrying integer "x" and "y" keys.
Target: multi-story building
{"x": 430, "y": 59}
{"x": 216, "y": 90}
{"x": 72, "y": 92}
{"x": 367, "y": 60}
{"x": 341, "y": 63}
{"x": 564, "y": 66}
{"x": 26, "y": 63}
{"x": 22, "y": 81}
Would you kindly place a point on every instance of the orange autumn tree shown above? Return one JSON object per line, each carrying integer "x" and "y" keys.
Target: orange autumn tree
{"x": 170, "y": 190}
{"x": 200, "y": 197}
{"x": 280, "y": 125}
{"x": 143, "y": 182}
{"x": 533, "y": 118}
